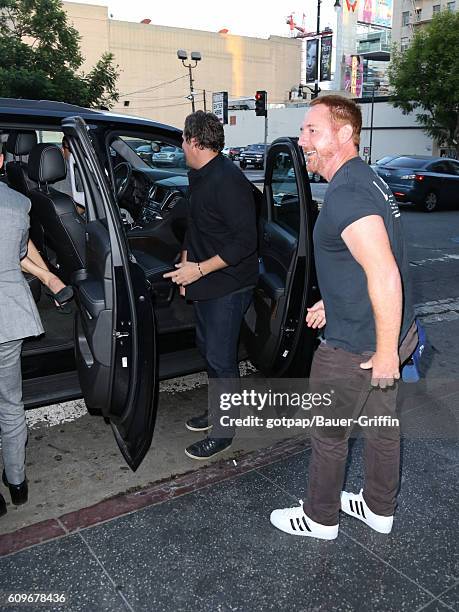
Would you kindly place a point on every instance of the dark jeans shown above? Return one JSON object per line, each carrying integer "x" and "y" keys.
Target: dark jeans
{"x": 330, "y": 449}
{"x": 218, "y": 325}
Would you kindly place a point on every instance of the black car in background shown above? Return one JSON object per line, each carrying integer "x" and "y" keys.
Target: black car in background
{"x": 427, "y": 182}
{"x": 253, "y": 155}
{"x": 130, "y": 327}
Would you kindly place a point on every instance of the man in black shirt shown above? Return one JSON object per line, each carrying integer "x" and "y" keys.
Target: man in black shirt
{"x": 363, "y": 276}
{"x": 219, "y": 266}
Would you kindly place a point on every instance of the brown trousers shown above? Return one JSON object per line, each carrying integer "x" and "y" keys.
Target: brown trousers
{"x": 354, "y": 398}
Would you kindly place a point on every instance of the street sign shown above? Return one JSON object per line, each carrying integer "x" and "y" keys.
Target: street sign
{"x": 220, "y": 106}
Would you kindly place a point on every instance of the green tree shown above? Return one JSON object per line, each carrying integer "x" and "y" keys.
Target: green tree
{"x": 426, "y": 77}
{"x": 40, "y": 57}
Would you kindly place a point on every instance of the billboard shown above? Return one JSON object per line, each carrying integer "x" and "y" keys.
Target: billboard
{"x": 325, "y": 58}
{"x": 353, "y": 75}
{"x": 376, "y": 12}
{"x": 312, "y": 49}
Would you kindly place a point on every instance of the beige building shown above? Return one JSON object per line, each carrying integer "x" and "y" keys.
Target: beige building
{"x": 411, "y": 14}
{"x": 153, "y": 82}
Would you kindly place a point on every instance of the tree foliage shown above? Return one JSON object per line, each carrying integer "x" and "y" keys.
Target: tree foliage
{"x": 41, "y": 58}
{"x": 426, "y": 77}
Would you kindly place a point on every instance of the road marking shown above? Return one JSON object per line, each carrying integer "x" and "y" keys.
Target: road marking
{"x": 442, "y": 259}
{"x": 58, "y": 414}
{"x": 438, "y": 311}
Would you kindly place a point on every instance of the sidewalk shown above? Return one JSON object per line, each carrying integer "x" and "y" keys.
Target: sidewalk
{"x": 203, "y": 541}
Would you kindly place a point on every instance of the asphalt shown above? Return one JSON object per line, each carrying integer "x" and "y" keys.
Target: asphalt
{"x": 176, "y": 538}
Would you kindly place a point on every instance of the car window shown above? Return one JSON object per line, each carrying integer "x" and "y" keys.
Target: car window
{"x": 157, "y": 154}
{"x": 285, "y": 199}
{"x": 408, "y": 162}
{"x": 440, "y": 167}
{"x": 452, "y": 167}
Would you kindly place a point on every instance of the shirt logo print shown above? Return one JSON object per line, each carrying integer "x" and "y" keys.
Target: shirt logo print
{"x": 389, "y": 197}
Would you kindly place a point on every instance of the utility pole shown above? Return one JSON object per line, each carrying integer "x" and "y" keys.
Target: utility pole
{"x": 205, "y": 103}
{"x": 376, "y": 85}
{"x": 195, "y": 57}
{"x": 316, "y": 84}
{"x": 193, "y": 108}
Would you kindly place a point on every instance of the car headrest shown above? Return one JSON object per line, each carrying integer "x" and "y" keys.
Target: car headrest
{"x": 46, "y": 164}
{"x": 21, "y": 143}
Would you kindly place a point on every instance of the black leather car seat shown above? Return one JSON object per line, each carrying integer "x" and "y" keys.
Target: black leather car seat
{"x": 64, "y": 229}
{"x": 20, "y": 144}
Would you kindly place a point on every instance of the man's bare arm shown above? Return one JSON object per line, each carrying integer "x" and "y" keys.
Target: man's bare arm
{"x": 369, "y": 244}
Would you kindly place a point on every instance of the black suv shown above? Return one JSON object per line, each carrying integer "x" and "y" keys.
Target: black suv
{"x": 253, "y": 155}
{"x": 130, "y": 328}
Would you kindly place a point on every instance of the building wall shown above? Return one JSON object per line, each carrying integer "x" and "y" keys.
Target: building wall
{"x": 420, "y": 13}
{"x": 147, "y": 57}
{"x": 393, "y": 132}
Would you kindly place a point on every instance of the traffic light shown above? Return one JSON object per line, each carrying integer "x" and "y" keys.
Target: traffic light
{"x": 261, "y": 103}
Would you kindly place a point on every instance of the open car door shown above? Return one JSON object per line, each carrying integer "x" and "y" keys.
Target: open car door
{"x": 275, "y": 333}
{"x": 115, "y": 335}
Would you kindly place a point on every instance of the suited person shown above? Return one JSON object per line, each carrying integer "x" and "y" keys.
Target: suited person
{"x": 19, "y": 319}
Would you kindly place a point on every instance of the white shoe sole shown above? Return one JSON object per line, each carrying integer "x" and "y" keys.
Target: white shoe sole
{"x": 198, "y": 429}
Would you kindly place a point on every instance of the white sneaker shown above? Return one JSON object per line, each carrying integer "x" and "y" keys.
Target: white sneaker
{"x": 295, "y": 522}
{"x": 354, "y": 505}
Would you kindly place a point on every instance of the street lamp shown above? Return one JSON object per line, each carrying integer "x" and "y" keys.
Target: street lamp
{"x": 195, "y": 57}
{"x": 376, "y": 85}
{"x": 337, "y": 7}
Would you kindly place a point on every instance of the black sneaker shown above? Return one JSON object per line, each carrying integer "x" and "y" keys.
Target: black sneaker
{"x": 199, "y": 423}
{"x": 204, "y": 449}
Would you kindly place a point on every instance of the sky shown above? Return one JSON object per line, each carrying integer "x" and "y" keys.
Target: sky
{"x": 243, "y": 17}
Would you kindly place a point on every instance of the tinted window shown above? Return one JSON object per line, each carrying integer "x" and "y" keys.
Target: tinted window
{"x": 256, "y": 148}
{"x": 408, "y": 162}
{"x": 285, "y": 203}
{"x": 452, "y": 168}
{"x": 440, "y": 167}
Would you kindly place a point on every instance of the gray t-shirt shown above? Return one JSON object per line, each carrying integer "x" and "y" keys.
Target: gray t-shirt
{"x": 354, "y": 192}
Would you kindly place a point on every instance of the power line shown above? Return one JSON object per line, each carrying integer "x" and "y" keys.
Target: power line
{"x": 153, "y": 86}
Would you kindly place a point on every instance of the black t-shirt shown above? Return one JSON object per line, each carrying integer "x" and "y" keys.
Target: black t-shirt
{"x": 354, "y": 192}
{"x": 221, "y": 221}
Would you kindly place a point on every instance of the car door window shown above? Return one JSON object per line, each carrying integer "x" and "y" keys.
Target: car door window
{"x": 157, "y": 154}
{"x": 439, "y": 168}
{"x": 285, "y": 199}
{"x": 452, "y": 168}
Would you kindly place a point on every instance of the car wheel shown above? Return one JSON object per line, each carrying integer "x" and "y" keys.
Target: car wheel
{"x": 430, "y": 202}
{"x": 243, "y": 165}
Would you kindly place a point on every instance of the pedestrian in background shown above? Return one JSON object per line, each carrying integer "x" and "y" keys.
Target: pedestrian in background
{"x": 363, "y": 276}
{"x": 219, "y": 267}
{"x": 18, "y": 319}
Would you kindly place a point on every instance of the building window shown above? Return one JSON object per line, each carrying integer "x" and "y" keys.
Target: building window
{"x": 405, "y": 18}
{"x": 436, "y": 8}
{"x": 451, "y": 6}
{"x": 404, "y": 43}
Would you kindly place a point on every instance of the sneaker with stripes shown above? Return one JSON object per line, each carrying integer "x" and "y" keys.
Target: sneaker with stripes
{"x": 354, "y": 505}
{"x": 295, "y": 522}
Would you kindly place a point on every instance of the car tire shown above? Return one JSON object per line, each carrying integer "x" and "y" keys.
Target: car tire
{"x": 243, "y": 165}
{"x": 430, "y": 202}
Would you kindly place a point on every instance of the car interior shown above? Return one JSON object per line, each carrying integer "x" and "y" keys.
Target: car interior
{"x": 149, "y": 178}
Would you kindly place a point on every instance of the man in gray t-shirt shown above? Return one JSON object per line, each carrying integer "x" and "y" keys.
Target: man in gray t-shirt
{"x": 368, "y": 320}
